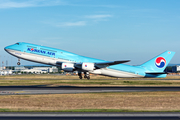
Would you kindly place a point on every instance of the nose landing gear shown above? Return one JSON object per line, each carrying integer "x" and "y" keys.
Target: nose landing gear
{"x": 18, "y": 63}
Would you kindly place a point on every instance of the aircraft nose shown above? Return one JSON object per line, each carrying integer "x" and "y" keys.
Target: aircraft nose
{"x": 7, "y": 47}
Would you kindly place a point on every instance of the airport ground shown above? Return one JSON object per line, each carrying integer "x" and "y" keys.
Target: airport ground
{"x": 110, "y": 94}
{"x": 63, "y": 80}
{"x": 93, "y": 102}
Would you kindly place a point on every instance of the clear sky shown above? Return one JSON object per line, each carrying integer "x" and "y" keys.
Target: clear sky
{"x": 135, "y": 30}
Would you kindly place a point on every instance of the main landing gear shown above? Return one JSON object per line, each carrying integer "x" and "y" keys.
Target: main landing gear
{"x": 18, "y": 63}
{"x": 86, "y": 75}
{"x": 80, "y": 75}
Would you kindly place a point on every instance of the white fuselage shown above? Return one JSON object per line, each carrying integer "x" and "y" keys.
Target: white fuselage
{"x": 53, "y": 61}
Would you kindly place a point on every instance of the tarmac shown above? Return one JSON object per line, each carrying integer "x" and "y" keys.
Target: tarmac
{"x": 90, "y": 116}
{"x": 32, "y": 90}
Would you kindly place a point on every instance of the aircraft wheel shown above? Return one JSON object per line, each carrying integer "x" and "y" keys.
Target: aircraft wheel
{"x": 88, "y": 77}
{"x": 80, "y": 77}
{"x": 18, "y": 63}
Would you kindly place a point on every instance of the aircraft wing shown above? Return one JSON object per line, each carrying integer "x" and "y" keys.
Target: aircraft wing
{"x": 103, "y": 63}
{"x": 98, "y": 65}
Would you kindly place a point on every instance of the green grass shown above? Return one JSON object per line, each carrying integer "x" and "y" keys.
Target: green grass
{"x": 5, "y": 110}
{"x": 150, "y": 83}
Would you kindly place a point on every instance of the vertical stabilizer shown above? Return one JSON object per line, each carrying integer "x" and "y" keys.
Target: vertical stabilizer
{"x": 159, "y": 63}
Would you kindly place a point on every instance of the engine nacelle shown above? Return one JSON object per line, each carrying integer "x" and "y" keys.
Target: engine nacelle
{"x": 67, "y": 67}
{"x": 88, "y": 66}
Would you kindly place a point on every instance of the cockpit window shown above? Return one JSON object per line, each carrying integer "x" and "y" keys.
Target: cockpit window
{"x": 17, "y": 43}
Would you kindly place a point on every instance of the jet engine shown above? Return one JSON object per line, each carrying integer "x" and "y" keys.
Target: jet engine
{"x": 67, "y": 67}
{"x": 88, "y": 66}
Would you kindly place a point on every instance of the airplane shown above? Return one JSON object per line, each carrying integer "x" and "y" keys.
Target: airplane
{"x": 70, "y": 62}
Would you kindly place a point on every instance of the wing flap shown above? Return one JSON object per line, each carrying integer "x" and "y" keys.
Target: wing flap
{"x": 107, "y": 64}
{"x": 112, "y": 63}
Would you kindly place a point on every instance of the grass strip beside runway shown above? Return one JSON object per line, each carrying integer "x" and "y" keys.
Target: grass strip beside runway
{"x": 59, "y": 80}
{"x": 93, "y": 102}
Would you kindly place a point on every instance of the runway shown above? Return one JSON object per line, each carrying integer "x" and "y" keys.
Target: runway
{"x": 90, "y": 116}
{"x": 17, "y": 90}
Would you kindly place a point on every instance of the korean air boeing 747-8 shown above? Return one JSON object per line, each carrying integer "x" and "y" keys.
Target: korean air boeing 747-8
{"x": 70, "y": 62}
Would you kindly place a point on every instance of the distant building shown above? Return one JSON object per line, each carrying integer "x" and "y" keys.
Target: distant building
{"x": 53, "y": 69}
{"x": 6, "y": 72}
{"x": 2, "y": 68}
{"x": 28, "y": 69}
{"x": 176, "y": 68}
{"x": 37, "y": 69}
{"x": 19, "y": 68}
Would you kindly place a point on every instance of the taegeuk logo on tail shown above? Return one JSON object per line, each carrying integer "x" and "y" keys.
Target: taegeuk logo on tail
{"x": 160, "y": 62}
